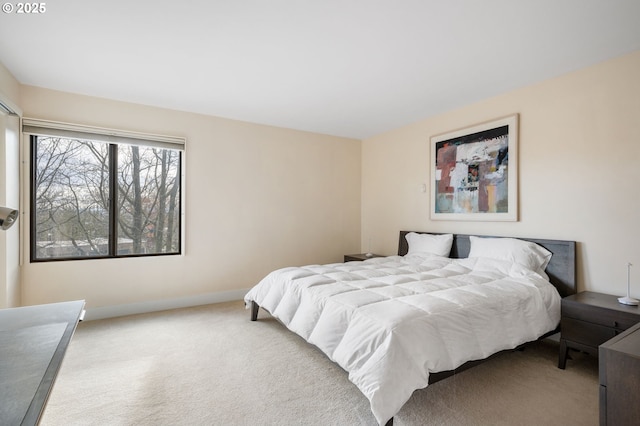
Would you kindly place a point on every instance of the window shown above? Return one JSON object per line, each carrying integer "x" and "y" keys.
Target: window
{"x": 93, "y": 198}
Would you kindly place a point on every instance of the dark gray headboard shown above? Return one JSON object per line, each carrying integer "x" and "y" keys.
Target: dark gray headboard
{"x": 561, "y": 268}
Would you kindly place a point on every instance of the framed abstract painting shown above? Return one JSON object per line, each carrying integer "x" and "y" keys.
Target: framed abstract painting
{"x": 474, "y": 172}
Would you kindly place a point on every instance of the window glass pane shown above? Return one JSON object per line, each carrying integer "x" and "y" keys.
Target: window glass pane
{"x": 148, "y": 200}
{"x": 71, "y": 198}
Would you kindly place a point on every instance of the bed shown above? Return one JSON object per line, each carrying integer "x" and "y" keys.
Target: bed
{"x": 444, "y": 303}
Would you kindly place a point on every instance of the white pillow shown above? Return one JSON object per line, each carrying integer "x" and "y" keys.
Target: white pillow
{"x": 525, "y": 253}
{"x": 440, "y": 245}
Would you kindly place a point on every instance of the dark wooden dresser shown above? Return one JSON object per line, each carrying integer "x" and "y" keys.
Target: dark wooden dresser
{"x": 589, "y": 319}
{"x": 619, "y": 370}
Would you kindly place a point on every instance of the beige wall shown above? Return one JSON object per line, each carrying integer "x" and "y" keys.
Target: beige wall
{"x": 579, "y": 169}
{"x": 260, "y": 197}
{"x": 9, "y": 86}
{"x": 257, "y": 198}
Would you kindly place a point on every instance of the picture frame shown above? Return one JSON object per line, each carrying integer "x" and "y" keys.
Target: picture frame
{"x": 474, "y": 172}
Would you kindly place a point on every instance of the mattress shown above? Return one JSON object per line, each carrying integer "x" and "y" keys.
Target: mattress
{"x": 390, "y": 322}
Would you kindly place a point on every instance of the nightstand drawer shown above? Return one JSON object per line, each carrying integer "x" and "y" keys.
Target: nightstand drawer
{"x": 586, "y": 333}
{"x": 600, "y": 316}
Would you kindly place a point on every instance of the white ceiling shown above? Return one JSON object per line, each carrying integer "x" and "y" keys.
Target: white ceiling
{"x": 352, "y": 68}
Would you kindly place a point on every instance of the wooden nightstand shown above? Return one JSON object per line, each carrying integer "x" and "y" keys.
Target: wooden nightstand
{"x": 359, "y": 257}
{"x": 589, "y": 319}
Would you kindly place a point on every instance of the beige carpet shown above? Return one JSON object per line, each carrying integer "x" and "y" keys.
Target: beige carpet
{"x": 210, "y": 365}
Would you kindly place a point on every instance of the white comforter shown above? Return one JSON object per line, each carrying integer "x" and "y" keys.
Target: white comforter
{"x": 391, "y": 321}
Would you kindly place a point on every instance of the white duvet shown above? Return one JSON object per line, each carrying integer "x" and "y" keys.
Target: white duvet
{"x": 391, "y": 321}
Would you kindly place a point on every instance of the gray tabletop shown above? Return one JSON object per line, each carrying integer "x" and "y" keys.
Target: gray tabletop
{"x": 33, "y": 341}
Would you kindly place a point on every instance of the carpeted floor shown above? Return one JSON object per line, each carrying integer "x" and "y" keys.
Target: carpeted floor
{"x": 210, "y": 365}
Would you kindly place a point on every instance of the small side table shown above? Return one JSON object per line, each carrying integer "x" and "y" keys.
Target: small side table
{"x": 589, "y": 319}
{"x": 360, "y": 257}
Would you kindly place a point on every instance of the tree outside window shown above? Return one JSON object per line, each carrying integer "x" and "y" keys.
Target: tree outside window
{"x": 94, "y": 199}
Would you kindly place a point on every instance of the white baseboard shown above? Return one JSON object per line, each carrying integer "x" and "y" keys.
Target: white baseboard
{"x": 162, "y": 305}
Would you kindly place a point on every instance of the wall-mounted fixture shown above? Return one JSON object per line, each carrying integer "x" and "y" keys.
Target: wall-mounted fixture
{"x": 8, "y": 217}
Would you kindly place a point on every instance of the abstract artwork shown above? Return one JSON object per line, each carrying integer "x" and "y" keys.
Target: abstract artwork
{"x": 474, "y": 172}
